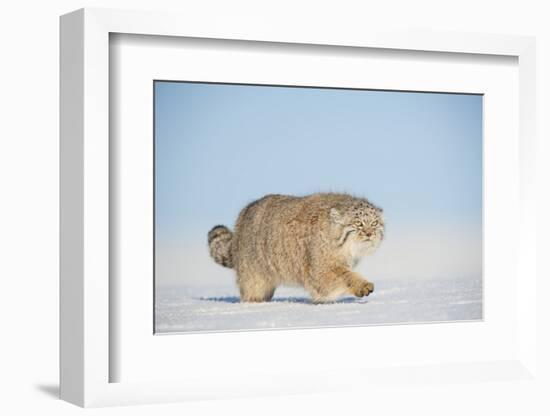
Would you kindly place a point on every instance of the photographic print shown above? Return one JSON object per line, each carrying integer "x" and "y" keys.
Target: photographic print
{"x": 280, "y": 207}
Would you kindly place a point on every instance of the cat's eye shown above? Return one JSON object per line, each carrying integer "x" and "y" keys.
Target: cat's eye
{"x": 374, "y": 223}
{"x": 357, "y": 224}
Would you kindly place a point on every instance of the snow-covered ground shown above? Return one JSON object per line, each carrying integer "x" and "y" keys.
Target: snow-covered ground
{"x": 184, "y": 309}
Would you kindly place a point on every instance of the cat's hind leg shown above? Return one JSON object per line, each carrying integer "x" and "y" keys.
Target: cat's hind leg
{"x": 255, "y": 289}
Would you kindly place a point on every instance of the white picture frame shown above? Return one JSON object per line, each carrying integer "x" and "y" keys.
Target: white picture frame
{"x": 86, "y": 301}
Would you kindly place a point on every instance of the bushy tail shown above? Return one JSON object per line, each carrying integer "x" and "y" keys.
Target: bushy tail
{"x": 219, "y": 241}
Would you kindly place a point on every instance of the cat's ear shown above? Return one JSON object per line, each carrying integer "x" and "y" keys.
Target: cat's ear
{"x": 335, "y": 216}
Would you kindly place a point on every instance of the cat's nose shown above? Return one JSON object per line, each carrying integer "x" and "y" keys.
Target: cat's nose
{"x": 369, "y": 234}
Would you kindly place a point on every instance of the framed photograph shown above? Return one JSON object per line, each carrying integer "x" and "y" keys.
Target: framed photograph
{"x": 295, "y": 166}
{"x": 295, "y": 199}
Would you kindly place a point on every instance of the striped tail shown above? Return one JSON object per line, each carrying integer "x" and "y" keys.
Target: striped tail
{"x": 219, "y": 241}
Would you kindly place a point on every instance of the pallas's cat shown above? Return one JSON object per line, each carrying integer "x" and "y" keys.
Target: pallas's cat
{"x": 312, "y": 241}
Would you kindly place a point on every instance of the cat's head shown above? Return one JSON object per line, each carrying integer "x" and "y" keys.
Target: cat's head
{"x": 360, "y": 222}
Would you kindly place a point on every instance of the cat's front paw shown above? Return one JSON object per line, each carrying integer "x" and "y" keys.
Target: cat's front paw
{"x": 364, "y": 289}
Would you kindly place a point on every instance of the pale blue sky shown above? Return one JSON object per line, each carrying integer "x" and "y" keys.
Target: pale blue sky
{"x": 218, "y": 147}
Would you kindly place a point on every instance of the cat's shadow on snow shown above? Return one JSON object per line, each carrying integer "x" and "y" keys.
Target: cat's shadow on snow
{"x": 279, "y": 299}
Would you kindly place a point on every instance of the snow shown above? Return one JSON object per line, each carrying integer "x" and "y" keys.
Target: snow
{"x": 217, "y": 308}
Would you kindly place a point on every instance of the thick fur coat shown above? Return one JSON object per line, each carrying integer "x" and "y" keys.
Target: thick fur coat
{"x": 312, "y": 241}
